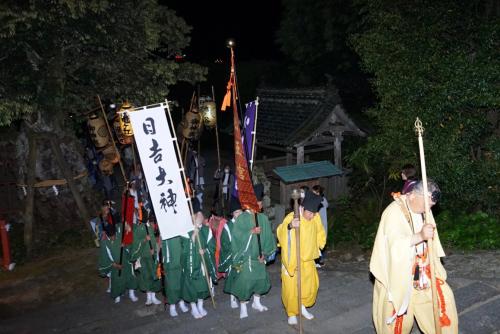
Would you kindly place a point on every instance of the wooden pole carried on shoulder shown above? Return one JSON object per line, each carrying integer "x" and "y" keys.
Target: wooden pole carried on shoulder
{"x": 296, "y": 214}
{"x": 430, "y": 244}
{"x": 112, "y": 140}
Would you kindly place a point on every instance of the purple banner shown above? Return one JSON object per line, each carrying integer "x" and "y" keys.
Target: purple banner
{"x": 248, "y": 128}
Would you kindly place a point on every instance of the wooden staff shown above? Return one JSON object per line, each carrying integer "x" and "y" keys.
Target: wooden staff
{"x": 183, "y": 144}
{"x": 193, "y": 97}
{"x": 134, "y": 160}
{"x": 112, "y": 140}
{"x": 256, "y": 224}
{"x": 430, "y": 244}
{"x": 216, "y": 130}
{"x": 296, "y": 214}
{"x": 162, "y": 275}
{"x": 124, "y": 223}
{"x": 186, "y": 150}
{"x": 254, "y": 134}
{"x": 183, "y": 173}
{"x": 149, "y": 235}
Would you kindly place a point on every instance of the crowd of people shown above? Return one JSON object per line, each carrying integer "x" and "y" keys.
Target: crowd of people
{"x": 233, "y": 249}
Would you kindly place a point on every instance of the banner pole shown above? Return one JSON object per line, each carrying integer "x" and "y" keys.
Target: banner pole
{"x": 254, "y": 134}
{"x": 183, "y": 173}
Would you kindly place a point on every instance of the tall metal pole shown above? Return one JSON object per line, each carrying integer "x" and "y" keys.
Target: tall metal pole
{"x": 430, "y": 243}
{"x": 254, "y": 134}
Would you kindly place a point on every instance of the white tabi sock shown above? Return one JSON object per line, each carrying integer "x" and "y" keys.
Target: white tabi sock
{"x": 256, "y": 305}
{"x": 194, "y": 311}
{"x": 154, "y": 300}
{"x": 109, "y": 285}
{"x": 243, "y": 310}
{"x": 117, "y": 300}
{"x": 131, "y": 295}
{"x": 234, "y": 303}
{"x": 173, "y": 311}
{"x": 183, "y": 306}
{"x": 292, "y": 320}
{"x": 202, "y": 311}
{"x": 306, "y": 314}
{"x": 148, "y": 300}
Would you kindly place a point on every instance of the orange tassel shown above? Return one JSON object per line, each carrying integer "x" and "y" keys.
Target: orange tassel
{"x": 139, "y": 212}
{"x": 443, "y": 319}
{"x": 227, "y": 100}
{"x": 398, "y": 327}
{"x": 158, "y": 271}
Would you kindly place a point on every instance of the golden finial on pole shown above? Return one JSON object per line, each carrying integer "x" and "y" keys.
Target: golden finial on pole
{"x": 419, "y": 129}
{"x": 230, "y": 43}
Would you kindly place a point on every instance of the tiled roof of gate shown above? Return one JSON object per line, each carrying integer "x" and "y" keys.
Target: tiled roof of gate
{"x": 289, "y": 116}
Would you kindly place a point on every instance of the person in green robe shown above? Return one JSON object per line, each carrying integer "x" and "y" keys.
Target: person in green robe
{"x": 195, "y": 287}
{"x": 109, "y": 264}
{"x": 173, "y": 280}
{"x": 144, "y": 255}
{"x": 226, "y": 256}
{"x": 248, "y": 275}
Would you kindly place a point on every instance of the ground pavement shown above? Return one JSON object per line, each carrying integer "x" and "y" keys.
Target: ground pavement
{"x": 343, "y": 305}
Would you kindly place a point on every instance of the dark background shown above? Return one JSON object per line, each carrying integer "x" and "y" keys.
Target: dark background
{"x": 251, "y": 23}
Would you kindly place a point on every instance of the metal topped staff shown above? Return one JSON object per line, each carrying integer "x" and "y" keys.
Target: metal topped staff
{"x": 296, "y": 214}
{"x": 419, "y": 129}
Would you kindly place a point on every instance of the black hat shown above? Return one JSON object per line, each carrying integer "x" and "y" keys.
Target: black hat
{"x": 234, "y": 204}
{"x": 259, "y": 191}
{"x": 311, "y": 201}
{"x": 196, "y": 205}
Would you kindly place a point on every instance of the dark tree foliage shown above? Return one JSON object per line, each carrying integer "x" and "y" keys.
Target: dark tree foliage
{"x": 314, "y": 37}
{"x": 439, "y": 61}
{"x": 57, "y": 55}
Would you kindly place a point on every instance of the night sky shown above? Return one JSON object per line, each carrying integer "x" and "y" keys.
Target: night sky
{"x": 253, "y": 25}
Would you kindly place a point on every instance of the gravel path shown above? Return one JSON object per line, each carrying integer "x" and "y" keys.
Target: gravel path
{"x": 343, "y": 304}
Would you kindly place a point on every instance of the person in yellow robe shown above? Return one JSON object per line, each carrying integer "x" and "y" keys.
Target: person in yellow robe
{"x": 312, "y": 239}
{"x": 401, "y": 267}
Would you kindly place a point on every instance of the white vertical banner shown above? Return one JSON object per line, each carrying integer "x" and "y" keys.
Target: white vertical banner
{"x": 156, "y": 148}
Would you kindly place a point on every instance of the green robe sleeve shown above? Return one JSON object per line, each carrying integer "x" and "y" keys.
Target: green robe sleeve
{"x": 208, "y": 244}
{"x": 241, "y": 235}
{"x": 105, "y": 263}
{"x": 267, "y": 239}
{"x": 138, "y": 243}
{"x": 225, "y": 251}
